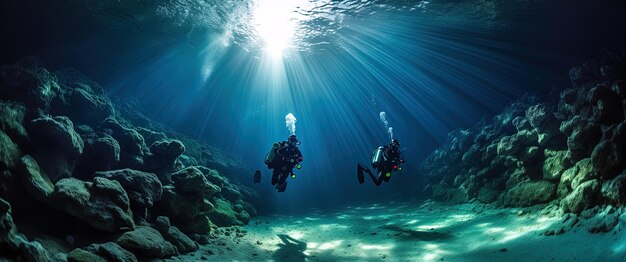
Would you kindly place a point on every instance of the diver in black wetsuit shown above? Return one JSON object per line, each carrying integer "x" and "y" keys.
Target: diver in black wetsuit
{"x": 283, "y": 157}
{"x": 385, "y": 160}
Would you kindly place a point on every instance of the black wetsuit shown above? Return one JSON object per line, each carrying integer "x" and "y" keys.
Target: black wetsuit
{"x": 285, "y": 159}
{"x": 392, "y": 158}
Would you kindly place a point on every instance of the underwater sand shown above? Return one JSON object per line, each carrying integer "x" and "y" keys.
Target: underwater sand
{"x": 413, "y": 232}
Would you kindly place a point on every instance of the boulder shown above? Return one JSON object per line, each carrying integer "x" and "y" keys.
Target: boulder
{"x": 163, "y": 158}
{"x": 554, "y": 165}
{"x": 582, "y": 141}
{"x": 150, "y": 136}
{"x": 29, "y": 84}
{"x": 174, "y": 204}
{"x": 16, "y": 245}
{"x": 231, "y": 193}
{"x": 93, "y": 108}
{"x": 223, "y": 215}
{"x": 614, "y": 191}
{"x": 182, "y": 242}
{"x": 147, "y": 242}
{"x": 584, "y": 172}
{"x": 516, "y": 144}
{"x": 11, "y": 120}
{"x": 35, "y": 181}
{"x": 109, "y": 251}
{"x": 102, "y": 153}
{"x": 609, "y": 155}
{"x": 102, "y": 204}
{"x": 131, "y": 143}
{"x": 57, "y": 133}
{"x": 582, "y": 197}
{"x": 167, "y": 150}
{"x": 9, "y": 152}
{"x": 191, "y": 181}
{"x": 607, "y": 105}
{"x": 143, "y": 189}
{"x": 81, "y": 255}
{"x": 528, "y": 193}
{"x": 545, "y": 124}
{"x": 213, "y": 176}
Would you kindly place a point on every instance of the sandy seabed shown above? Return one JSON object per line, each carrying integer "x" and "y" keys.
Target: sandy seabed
{"x": 427, "y": 231}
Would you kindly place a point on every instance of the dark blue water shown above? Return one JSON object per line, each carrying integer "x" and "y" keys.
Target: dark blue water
{"x": 228, "y": 73}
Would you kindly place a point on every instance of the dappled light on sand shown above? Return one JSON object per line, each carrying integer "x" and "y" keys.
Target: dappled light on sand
{"x": 418, "y": 232}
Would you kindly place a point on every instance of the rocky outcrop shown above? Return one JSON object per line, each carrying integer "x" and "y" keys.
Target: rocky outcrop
{"x": 147, "y": 242}
{"x": 109, "y": 251}
{"x": 14, "y": 245}
{"x": 570, "y": 151}
{"x": 182, "y": 242}
{"x": 102, "y": 203}
{"x": 109, "y": 177}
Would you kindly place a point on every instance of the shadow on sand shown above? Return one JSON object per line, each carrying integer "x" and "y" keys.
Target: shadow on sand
{"x": 290, "y": 250}
{"x": 409, "y": 234}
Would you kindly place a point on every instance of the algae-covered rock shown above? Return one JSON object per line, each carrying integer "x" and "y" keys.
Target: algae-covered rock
{"x": 9, "y": 152}
{"x": 614, "y": 191}
{"x": 607, "y": 105}
{"x": 29, "y": 84}
{"x": 174, "y": 204}
{"x": 81, "y": 255}
{"x": 35, "y": 181}
{"x": 582, "y": 141}
{"x": 167, "y": 150}
{"x": 143, "y": 189}
{"x": 11, "y": 121}
{"x": 223, "y": 215}
{"x": 14, "y": 244}
{"x": 609, "y": 155}
{"x": 584, "y": 172}
{"x": 56, "y": 132}
{"x": 102, "y": 204}
{"x": 191, "y": 181}
{"x": 529, "y": 193}
{"x": 147, "y": 242}
{"x": 554, "y": 165}
{"x": 546, "y": 125}
{"x": 581, "y": 198}
{"x": 111, "y": 251}
{"x": 93, "y": 108}
{"x": 183, "y": 243}
{"x": 131, "y": 143}
{"x": 102, "y": 153}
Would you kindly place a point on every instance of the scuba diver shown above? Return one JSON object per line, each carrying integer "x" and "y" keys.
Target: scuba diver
{"x": 283, "y": 157}
{"x": 385, "y": 159}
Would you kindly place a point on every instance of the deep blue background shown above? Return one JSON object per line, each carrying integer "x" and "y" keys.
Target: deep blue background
{"x": 430, "y": 75}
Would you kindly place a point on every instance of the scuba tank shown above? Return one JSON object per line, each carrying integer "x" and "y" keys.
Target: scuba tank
{"x": 269, "y": 158}
{"x": 377, "y": 157}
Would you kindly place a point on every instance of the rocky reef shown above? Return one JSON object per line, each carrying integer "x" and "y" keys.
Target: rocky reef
{"x": 566, "y": 152}
{"x": 87, "y": 178}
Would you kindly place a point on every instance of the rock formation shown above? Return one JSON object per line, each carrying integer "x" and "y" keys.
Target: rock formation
{"x": 119, "y": 186}
{"x": 567, "y": 151}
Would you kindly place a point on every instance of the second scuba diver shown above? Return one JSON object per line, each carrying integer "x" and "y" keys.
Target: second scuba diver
{"x": 283, "y": 157}
{"x": 386, "y": 159}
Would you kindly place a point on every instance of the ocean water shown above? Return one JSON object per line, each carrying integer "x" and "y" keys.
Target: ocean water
{"x": 228, "y": 72}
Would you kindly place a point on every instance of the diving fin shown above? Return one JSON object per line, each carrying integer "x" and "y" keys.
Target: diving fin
{"x": 359, "y": 175}
{"x": 281, "y": 187}
{"x": 257, "y": 177}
